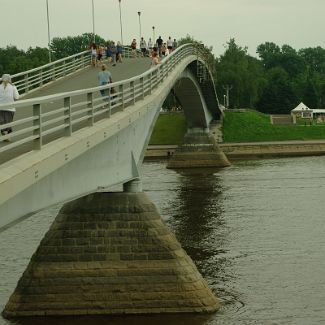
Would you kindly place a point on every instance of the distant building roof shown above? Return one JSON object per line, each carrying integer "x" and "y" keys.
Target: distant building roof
{"x": 301, "y": 108}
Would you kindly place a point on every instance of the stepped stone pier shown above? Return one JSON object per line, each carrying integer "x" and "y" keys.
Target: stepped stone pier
{"x": 199, "y": 149}
{"x": 110, "y": 253}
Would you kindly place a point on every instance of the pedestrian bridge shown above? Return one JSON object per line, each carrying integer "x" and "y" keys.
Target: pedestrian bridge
{"x": 74, "y": 141}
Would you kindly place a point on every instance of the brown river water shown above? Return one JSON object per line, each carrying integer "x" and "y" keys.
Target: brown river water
{"x": 255, "y": 230}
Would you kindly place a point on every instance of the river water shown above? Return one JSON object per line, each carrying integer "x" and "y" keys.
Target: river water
{"x": 255, "y": 231}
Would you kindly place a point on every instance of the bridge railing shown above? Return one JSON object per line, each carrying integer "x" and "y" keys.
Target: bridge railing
{"x": 51, "y": 117}
{"x": 36, "y": 78}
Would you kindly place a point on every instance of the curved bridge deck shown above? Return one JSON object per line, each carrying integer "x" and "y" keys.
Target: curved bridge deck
{"x": 83, "y": 79}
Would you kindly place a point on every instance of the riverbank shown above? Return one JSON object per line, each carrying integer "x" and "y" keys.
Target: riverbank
{"x": 251, "y": 150}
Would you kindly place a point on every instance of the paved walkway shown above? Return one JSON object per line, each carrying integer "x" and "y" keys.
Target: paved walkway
{"x": 87, "y": 78}
{"x": 84, "y": 79}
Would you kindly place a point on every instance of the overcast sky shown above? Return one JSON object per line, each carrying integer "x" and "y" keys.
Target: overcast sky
{"x": 299, "y": 23}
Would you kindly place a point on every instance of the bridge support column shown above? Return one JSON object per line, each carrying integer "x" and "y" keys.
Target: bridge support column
{"x": 110, "y": 253}
{"x": 199, "y": 149}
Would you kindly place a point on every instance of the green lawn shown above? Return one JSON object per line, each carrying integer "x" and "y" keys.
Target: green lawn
{"x": 252, "y": 126}
{"x": 170, "y": 128}
{"x": 249, "y": 126}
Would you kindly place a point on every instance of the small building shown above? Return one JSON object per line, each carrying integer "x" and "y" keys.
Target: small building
{"x": 301, "y": 111}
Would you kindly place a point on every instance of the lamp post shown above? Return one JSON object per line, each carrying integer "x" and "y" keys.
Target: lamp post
{"x": 48, "y": 30}
{"x": 93, "y": 14}
{"x": 139, "y": 13}
{"x": 119, "y": 1}
{"x": 224, "y": 101}
{"x": 153, "y": 35}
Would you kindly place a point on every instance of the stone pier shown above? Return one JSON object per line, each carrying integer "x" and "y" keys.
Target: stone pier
{"x": 199, "y": 149}
{"x": 110, "y": 253}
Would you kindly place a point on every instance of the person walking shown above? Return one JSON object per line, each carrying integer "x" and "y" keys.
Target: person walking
{"x": 93, "y": 54}
{"x": 8, "y": 94}
{"x": 150, "y": 46}
{"x": 104, "y": 78}
{"x": 175, "y": 44}
{"x": 155, "y": 59}
{"x": 114, "y": 53}
{"x": 170, "y": 45}
{"x": 134, "y": 48}
{"x": 143, "y": 47}
{"x": 159, "y": 43}
{"x": 119, "y": 52}
{"x": 108, "y": 52}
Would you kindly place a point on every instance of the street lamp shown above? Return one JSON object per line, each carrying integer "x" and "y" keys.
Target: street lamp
{"x": 139, "y": 13}
{"x": 48, "y": 30}
{"x": 153, "y": 34}
{"x": 119, "y": 1}
{"x": 93, "y": 13}
{"x": 224, "y": 101}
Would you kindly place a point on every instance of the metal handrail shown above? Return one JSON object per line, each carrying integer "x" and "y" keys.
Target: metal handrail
{"x": 36, "y": 78}
{"x": 89, "y": 106}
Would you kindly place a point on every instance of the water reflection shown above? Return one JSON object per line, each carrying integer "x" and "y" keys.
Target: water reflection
{"x": 255, "y": 230}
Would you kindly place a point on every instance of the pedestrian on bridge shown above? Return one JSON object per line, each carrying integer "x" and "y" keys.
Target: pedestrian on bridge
{"x": 143, "y": 47}
{"x": 159, "y": 43}
{"x": 8, "y": 94}
{"x": 104, "y": 78}
{"x": 134, "y": 48}
{"x": 155, "y": 59}
{"x": 119, "y": 52}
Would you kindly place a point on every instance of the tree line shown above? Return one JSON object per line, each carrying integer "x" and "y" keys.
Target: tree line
{"x": 273, "y": 82}
{"x": 14, "y": 60}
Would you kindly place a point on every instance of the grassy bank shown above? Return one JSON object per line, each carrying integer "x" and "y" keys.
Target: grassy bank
{"x": 252, "y": 126}
{"x": 169, "y": 129}
{"x": 248, "y": 126}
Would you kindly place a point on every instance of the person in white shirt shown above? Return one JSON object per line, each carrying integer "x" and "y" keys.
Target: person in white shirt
{"x": 170, "y": 45}
{"x": 8, "y": 94}
{"x": 143, "y": 47}
{"x": 150, "y": 46}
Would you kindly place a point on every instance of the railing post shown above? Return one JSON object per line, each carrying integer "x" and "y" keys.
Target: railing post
{"x": 53, "y": 72}
{"x": 64, "y": 73}
{"x": 121, "y": 91}
{"x": 90, "y": 107}
{"x": 41, "y": 78}
{"x": 133, "y": 91}
{"x": 26, "y": 83}
{"x": 142, "y": 87}
{"x": 150, "y": 83}
{"x": 37, "y": 122}
{"x": 158, "y": 73}
{"x": 109, "y": 106}
{"x": 68, "y": 116}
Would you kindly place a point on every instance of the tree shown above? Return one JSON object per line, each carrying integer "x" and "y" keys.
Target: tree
{"x": 278, "y": 96}
{"x": 66, "y": 46}
{"x": 243, "y": 72}
{"x": 310, "y": 97}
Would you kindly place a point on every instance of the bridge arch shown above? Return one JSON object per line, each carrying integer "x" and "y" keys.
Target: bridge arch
{"x": 106, "y": 152}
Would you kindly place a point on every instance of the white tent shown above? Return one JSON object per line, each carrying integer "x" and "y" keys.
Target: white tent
{"x": 302, "y": 108}
{"x": 302, "y": 111}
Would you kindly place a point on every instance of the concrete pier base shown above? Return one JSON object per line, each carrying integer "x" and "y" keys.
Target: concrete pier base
{"x": 110, "y": 253}
{"x": 199, "y": 149}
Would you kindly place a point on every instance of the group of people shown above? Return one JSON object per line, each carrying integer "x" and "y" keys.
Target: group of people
{"x": 113, "y": 52}
{"x": 160, "y": 47}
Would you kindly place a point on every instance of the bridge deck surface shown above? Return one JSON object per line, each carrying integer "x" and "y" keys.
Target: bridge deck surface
{"x": 83, "y": 79}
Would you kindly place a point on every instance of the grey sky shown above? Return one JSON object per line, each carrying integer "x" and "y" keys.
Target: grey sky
{"x": 299, "y": 23}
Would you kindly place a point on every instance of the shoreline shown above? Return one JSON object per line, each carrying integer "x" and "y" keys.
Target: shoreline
{"x": 251, "y": 150}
